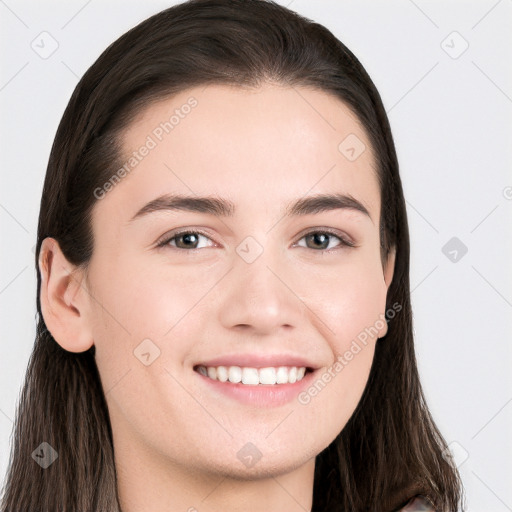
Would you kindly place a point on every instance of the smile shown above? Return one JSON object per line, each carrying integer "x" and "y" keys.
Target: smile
{"x": 254, "y": 376}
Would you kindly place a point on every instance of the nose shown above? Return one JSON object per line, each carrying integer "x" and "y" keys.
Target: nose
{"x": 260, "y": 298}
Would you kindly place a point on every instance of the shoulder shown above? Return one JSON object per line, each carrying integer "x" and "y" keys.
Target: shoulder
{"x": 418, "y": 503}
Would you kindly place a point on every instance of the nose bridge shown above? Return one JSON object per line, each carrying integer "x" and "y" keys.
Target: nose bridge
{"x": 258, "y": 295}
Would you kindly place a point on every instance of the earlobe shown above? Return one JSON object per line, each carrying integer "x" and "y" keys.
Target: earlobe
{"x": 64, "y": 300}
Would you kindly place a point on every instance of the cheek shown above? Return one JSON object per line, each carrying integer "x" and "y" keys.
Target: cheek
{"x": 135, "y": 302}
{"x": 350, "y": 298}
{"x": 350, "y": 301}
{"x": 335, "y": 394}
{"x": 129, "y": 308}
{"x": 143, "y": 329}
{"x": 138, "y": 298}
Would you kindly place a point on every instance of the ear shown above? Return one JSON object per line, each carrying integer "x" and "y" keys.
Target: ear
{"x": 64, "y": 299}
{"x": 388, "y": 271}
{"x": 389, "y": 267}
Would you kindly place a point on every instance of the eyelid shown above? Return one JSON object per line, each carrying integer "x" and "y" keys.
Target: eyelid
{"x": 345, "y": 240}
{"x": 165, "y": 239}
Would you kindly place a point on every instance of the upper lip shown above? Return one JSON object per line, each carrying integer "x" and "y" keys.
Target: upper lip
{"x": 259, "y": 361}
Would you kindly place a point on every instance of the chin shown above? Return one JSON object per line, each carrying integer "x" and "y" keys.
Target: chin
{"x": 240, "y": 466}
{"x": 260, "y": 471}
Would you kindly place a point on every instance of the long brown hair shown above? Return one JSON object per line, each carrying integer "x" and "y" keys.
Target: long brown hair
{"x": 391, "y": 448}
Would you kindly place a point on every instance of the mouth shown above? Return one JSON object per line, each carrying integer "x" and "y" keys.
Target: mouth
{"x": 252, "y": 376}
{"x": 256, "y": 380}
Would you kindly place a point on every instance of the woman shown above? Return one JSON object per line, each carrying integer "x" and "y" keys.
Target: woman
{"x": 223, "y": 283}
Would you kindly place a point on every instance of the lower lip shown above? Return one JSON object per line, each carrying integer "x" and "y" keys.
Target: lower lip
{"x": 261, "y": 395}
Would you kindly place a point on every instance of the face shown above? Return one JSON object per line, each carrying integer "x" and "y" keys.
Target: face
{"x": 265, "y": 286}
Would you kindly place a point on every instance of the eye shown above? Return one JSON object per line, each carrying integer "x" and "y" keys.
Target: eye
{"x": 188, "y": 239}
{"x": 323, "y": 238}
{"x": 183, "y": 240}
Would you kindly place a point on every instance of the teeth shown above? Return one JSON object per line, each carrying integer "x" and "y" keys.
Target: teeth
{"x": 282, "y": 375}
{"x": 222, "y": 373}
{"x": 254, "y": 376}
{"x": 234, "y": 374}
{"x": 267, "y": 375}
{"x": 250, "y": 376}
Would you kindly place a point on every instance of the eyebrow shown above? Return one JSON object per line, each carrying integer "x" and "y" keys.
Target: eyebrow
{"x": 220, "y": 207}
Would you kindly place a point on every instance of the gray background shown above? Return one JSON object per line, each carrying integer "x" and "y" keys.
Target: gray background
{"x": 450, "y": 111}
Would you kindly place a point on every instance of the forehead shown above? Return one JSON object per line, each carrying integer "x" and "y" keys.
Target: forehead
{"x": 272, "y": 143}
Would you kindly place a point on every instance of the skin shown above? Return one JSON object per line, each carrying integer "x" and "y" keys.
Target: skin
{"x": 175, "y": 441}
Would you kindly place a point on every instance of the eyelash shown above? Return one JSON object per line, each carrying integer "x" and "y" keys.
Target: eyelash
{"x": 344, "y": 242}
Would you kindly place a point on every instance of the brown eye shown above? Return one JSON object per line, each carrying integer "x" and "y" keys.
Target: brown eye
{"x": 187, "y": 240}
{"x": 183, "y": 240}
{"x": 320, "y": 240}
